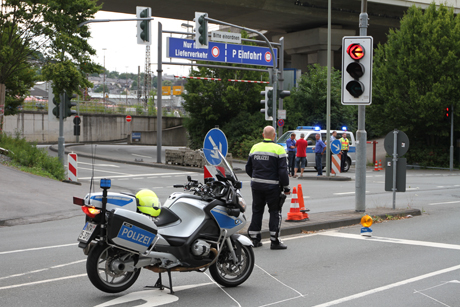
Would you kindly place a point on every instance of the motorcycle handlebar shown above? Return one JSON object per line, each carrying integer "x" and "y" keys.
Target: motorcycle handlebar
{"x": 178, "y": 186}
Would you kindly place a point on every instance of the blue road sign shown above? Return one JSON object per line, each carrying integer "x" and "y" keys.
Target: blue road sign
{"x": 215, "y": 140}
{"x": 219, "y": 52}
{"x": 336, "y": 146}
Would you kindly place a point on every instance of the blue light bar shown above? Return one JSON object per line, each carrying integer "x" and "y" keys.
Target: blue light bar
{"x": 106, "y": 183}
{"x": 344, "y": 128}
{"x": 305, "y": 127}
{"x": 317, "y": 128}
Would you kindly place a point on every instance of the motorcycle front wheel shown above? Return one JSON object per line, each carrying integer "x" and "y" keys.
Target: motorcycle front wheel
{"x": 103, "y": 274}
{"x": 229, "y": 274}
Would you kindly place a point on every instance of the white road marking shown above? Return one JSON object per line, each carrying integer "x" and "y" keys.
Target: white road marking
{"x": 141, "y": 156}
{"x": 387, "y": 287}
{"x": 150, "y": 297}
{"x": 412, "y": 189}
{"x": 99, "y": 170}
{"x": 138, "y": 178}
{"x": 447, "y": 202}
{"x": 41, "y": 270}
{"x": 390, "y": 240}
{"x": 165, "y": 176}
{"x": 41, "y": 281}
{"x": 346, "y": 193}
{"x": 103, "y": 165}
{"x": 37, "y": 248}
{"x": 137, "y": 175}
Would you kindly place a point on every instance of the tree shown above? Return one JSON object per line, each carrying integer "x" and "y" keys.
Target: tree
{"x": 68, "y": 52}
{"x": 416, "y": 76}
{"x": 308, "y": 102}
{"x": 211, "y": 103}
{"x": 30, "y": 26}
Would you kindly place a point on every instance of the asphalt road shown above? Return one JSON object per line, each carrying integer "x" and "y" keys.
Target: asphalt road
{"x": 410, "y": 262}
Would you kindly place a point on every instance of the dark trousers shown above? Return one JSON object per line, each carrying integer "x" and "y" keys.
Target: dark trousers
{"x": 291, "y": 160}
{"x": 343, "y": 159}
{"x": 319, "y": 163}
{"x": 260, "y": 198}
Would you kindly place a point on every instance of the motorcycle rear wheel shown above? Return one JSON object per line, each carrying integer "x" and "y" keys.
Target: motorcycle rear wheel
{"x": 101, "y": 273}
{"x": 228, "y": 274}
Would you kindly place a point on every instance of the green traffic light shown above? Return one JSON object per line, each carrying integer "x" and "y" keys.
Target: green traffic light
{"x": 355, "y": 88}
{"x": 203, "y": 30}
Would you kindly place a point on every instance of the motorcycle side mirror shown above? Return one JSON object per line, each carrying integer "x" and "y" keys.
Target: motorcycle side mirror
{"x": 189, "y": 178}
{"x": 239, "y": 185}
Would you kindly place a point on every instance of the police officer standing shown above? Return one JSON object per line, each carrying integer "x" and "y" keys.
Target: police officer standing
{"x": 269, "y": 178}
{"x": 345, "y": 146}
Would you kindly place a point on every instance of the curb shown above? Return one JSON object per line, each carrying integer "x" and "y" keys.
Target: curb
{"x": 151, "y": 164}
{"x": 329, "y": 220}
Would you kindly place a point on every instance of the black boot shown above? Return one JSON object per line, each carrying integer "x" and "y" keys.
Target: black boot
{"x": 278, "y": 245}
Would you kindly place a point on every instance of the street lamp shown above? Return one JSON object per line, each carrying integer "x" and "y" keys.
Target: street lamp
{"x": 103, "y": 83}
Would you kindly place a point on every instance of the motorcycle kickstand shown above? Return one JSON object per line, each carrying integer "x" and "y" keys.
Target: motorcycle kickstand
{"x": 159, "y": 283}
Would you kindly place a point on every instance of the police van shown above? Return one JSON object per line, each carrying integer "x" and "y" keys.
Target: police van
{"x": 310, "y": 136}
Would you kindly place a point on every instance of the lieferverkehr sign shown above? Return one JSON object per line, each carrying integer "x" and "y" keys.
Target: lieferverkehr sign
{"x": 219, "y": 52}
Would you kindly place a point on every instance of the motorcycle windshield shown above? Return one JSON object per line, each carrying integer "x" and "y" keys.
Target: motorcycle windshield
{"x": 216, "y": 165}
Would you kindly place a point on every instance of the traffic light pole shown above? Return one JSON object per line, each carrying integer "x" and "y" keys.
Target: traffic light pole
{"x": 61, "y": 129}
{"x": 281, "y": 81}
{"x": 451, "y": 162}
{"x": 159, "y": 93}
{"x": 361, "y": 134}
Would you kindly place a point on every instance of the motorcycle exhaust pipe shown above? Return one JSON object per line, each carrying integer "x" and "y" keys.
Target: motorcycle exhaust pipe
{"x": 157, "y": 269}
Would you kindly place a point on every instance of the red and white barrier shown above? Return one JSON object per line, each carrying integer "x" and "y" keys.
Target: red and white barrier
{"x": 72, "y": 172}
{"x": 198, "y": 78}
{"x": 248, "y": 81}
{"x": 335, "y": 166}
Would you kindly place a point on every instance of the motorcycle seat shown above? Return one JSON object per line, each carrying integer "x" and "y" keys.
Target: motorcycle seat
{"x": 166, "y": 217}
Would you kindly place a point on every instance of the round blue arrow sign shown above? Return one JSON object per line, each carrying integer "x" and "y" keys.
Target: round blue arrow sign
{"x": 336, "y": 146}
{"x": 215, "y": 140}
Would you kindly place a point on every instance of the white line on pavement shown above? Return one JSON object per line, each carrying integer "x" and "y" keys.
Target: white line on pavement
{"x": 137, "y": 175}
{"x": 41, "y": 270}
{"x": 346, "y": 193}
{"x": 387, "y": 287}
{"x": 99, "y": 170}
{"x": 37, "y": 248}
{"x": 141, "y": 156}
{"x": 103, "y": 165}
{"x": 42, "y": 281}
{"x": 447, "y": 202}
{"x": 390, "y": 240}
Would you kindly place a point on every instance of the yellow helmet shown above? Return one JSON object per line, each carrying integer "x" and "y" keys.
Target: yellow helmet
{"x": 148, "y": 202}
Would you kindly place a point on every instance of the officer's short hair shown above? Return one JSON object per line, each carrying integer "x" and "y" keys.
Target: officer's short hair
{"x": 334, "y": 132}
{"x": 302, "y": 135}
{"x": 292, "y": 134}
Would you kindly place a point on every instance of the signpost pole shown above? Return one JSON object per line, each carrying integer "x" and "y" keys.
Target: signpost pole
{"x": 281, "y": 80}
{"x": 395, "y": 159}
{"x": 451, "y": 162}
{"x": 361, "y": 135}
{"x": 159, "y": 77}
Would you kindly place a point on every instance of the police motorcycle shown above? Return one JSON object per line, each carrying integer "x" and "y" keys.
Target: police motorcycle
{"x": 194, "y": 230}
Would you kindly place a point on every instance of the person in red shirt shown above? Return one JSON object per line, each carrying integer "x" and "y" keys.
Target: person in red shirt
{"x": 301, "y": 156}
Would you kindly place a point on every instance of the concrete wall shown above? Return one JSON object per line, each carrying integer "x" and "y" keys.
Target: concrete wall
{"x": 36, "y": 127}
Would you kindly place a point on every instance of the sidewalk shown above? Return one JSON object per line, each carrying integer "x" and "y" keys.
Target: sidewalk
{"x": 27, "y": 198}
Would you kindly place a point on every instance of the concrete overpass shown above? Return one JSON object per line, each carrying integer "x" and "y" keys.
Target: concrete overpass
{"x": 303, "y": 23}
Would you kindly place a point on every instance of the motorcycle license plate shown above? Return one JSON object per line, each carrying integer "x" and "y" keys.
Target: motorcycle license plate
{"x": 87, "y": 232}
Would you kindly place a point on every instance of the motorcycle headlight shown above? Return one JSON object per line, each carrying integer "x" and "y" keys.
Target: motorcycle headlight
{"x": 242, "y": 204}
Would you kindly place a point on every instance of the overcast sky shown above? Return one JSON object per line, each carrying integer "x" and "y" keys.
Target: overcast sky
{"x": 123, "y": 54}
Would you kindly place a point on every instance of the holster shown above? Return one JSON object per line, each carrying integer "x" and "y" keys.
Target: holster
{"x": 282, "y": 200}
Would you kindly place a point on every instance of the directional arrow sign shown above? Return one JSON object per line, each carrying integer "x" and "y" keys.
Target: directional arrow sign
{"x": 335, "y": 146}
{"x": 215, "y": 140}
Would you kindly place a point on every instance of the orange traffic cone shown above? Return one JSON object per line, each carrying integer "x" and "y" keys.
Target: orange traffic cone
{"x": 294, "y": 215}
{"x": 302, "y": 205}
{"x": 376, "y": 167}
{"x": 380, "y": 165}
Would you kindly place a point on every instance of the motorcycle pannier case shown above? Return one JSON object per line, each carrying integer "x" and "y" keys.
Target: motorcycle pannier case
{"x": 131, "y": 230}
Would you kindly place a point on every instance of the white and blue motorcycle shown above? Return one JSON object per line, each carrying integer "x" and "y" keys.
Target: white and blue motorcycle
{"x": 197, "y": 229}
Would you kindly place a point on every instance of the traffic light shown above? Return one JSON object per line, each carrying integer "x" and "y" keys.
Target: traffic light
{"x": 68, "y": 104}
{"x": 56, "y": 108}
{"x": 143, "y": 27}
{"x": 357, "y": 70}
{"x": 447, "y": 114}
{"x": 268, "y": 103}
{"x": 283, "y": 94}
{"x": 201, "y": 30}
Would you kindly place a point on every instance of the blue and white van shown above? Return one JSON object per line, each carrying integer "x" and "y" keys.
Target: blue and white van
{"x": 310, "y": 136}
